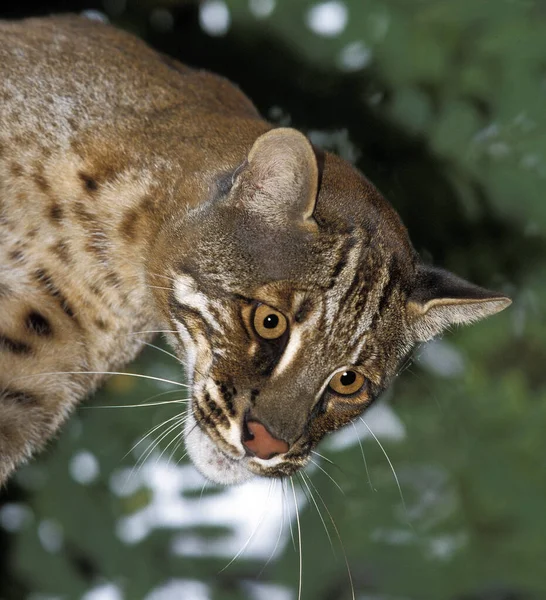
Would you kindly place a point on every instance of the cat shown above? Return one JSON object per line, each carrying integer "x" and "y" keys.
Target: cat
{"x": 138, "y": 194}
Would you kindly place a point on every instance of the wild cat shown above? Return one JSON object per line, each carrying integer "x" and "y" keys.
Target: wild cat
{"x": 137, "y": 194}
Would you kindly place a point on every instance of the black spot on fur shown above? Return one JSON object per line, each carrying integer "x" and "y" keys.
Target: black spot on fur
{"x": 56, "y": 213}
{"x": 16, "y": 255}
{"x": 18, "y": 396}
{"x": 10, "y": 345}
{"x": 89, "y": 183}
{"x": 38, "y": 324}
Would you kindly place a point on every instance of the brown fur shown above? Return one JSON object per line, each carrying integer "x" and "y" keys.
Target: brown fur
{"x": 121, "y": 169}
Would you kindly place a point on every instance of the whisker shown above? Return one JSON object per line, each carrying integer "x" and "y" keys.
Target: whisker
{"x": 323, "y": 457}
{"x": 338, "y": 537}
{"x": 299, "y": 538}
{"x": 364, "y": 458}
{"x": 164, "y": 276}
{"x": 153, "y": 429}
{"x": 152, "y": 331}
{"x": 153, "y": 445}
{"x": 202, "y": 491}
{"x": 285, "y": 505}
{"x": 162, "y": 424}
{"x": 179, "y": 360}
{"x": 273, "y": 552}
{"x": 106, "y": 373}
{"x": 162, "y": 350}
{"x": 392, "y": 469}
{"x": 178, "y": 401}
{"x": 175, "y": 439}
{"x": 301, "y": 474}
{"x": 264, "y": 513}
{"x": 328, "y": 475}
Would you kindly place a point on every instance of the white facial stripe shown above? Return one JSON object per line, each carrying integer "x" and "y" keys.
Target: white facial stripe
{"x": 189, "y": 348}
{"x": 269, "y": 462}
{"x": 293, "y": 347}
{"x": 185, "y": 291}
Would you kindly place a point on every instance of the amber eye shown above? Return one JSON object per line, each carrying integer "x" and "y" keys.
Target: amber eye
{"x": 346, "y": 382}
{"x": 269, "y": 323}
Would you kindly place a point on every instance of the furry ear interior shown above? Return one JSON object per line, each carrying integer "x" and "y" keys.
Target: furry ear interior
{"x": 280, "y": 178}
{"x": 441, "y": 299}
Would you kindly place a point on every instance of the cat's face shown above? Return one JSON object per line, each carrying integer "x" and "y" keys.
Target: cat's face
{"x": 296, "y": 297}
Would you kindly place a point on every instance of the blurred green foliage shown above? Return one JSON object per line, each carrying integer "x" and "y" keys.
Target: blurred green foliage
{"x": 441, "y": 103}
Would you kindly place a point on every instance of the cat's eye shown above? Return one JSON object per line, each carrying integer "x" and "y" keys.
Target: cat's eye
{"x": 346, "y": 382}
{"x": 269, "y": 323}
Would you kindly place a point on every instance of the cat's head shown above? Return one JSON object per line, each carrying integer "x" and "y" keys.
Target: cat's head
{"x": 296, "y": 295}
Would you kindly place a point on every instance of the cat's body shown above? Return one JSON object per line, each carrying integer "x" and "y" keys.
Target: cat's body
{"x": 137, "y": 194}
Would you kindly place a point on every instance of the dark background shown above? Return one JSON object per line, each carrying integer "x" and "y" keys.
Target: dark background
{"x": 441, "y": 105}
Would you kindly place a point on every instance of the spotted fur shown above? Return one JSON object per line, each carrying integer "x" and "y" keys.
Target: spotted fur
{"x": 138, "y": 194}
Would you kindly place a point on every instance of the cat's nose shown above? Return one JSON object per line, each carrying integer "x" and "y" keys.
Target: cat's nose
{"x": 260, "y": 443}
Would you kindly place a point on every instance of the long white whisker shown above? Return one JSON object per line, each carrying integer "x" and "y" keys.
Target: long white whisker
{"x": 153, "y": 331}
{"x": 392, "y": 468}
{"x": 153, "y": 445}
{"x": 143, "y": 404}
{"x": 179, "y": 401}
{"x": 152, "y": 430}
{"x": 179, "y": 360}
{"x": 285, "y": 504}
{"x": 264, "y": 513}
{"x": 273, "y": 552}
{"x": 302, "y": 476}
{"x": 106, "y": 373}
{"x": 364, "y": 458}
{"x": 162, "y": 424}
{"x": 299, "y": 538}
{"x": 338, "y": 537}
{"x": 323, "y": 457}
{"x": 202, "y": 491}
{"x": 162, "y": 350}
{"x": 328, "y": 475}
{"x": 175, "y": 439}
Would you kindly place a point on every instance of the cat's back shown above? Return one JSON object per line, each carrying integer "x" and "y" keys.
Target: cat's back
{"x": 70, "y": 71}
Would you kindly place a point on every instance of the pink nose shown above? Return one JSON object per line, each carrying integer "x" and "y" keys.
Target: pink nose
{"x": 261, "y": 443}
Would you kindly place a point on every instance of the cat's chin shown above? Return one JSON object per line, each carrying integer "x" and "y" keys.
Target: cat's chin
{"x": 209, "y": 460}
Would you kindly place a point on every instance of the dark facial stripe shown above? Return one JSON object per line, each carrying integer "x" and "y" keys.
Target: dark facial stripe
{"x": 216, "y": 411}
{"x": 10, "y": 345}
{"x": 348, "y": 245}
{"x": 228, "y": 395}
{"x": 388, "y": 290}
{"x": 47, "y": 283}
{"x": 205, "y": 422}
{"x": 185, "y": 313}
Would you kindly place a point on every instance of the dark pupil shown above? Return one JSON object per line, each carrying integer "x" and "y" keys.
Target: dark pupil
{"x": 271, "y": 321}
{"x": 348, "y": 378}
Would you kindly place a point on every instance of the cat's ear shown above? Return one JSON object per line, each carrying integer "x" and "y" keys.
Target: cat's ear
{"x": 441, "y": 299}
{"x": 280, "y": 178}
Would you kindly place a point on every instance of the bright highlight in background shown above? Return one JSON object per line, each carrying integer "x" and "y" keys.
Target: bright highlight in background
{"x": 328, "y": 19}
